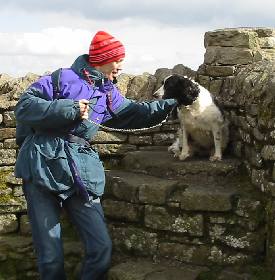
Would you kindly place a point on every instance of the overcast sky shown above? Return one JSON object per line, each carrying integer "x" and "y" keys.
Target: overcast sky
{"x": 39, "y": 36}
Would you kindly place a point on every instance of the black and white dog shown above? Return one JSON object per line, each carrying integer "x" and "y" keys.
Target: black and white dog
{"x": 199, "y": 117}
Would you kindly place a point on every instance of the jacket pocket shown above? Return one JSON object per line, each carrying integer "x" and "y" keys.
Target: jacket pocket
{"x": 90, "y": 168}
{"x": 50, "y": 165}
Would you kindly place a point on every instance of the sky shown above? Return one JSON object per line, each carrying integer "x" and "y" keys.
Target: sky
{"x": 39, "y": 36}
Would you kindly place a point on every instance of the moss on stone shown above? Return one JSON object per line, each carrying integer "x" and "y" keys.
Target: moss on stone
{"x": 4, "y": 198}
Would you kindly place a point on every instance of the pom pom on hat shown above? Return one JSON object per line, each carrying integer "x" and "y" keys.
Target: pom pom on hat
{"x": 104, "y": 49}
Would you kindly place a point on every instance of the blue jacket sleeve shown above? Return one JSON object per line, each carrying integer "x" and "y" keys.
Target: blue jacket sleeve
{"x": 36, "y": 110}
{"x": 133, "y": 115}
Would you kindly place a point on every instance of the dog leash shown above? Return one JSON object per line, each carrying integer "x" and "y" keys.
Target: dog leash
{"x": 130, "y": 130}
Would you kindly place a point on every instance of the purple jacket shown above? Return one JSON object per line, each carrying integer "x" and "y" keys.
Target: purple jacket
{"x": 43, "y": 123}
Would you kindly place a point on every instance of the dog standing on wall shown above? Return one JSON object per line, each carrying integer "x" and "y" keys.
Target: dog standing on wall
{"x": 200, "y": 118}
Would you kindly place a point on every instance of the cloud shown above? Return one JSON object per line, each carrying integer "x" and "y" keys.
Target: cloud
{"x": 178, "y": 12}
{"x": 39, "y": 36}
{"x": 147, "y": 49}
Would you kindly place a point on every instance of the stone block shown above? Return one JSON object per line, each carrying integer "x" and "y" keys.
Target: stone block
{"x": 10, "y": 144}
{"x": 219, "y": 71}
{"x": 123, "y": 211}
{"x": 228, "y": 56}
{"x": 268, "y": 152}
{"x": 231, "y": 37}
{"x": 159, "y": 218}
{"x": 196, "y": 198}
{"x": 24, "y": 225}
{"x": 238, "y": 238}
{"x": 164, "y": 138}
{"x": 156, "y": 193}
{"x": 114, "y": 149}
{"x": 140, "y": 140}
{"x": 8, "y": 223}
{"x": 185, "y": 253}
{"x": 7, "y": 156}
{"x": 6, "y": 133}
{"x": 109, "y": 137}
{"x": 133, "y": 240}
{"x": 9, "y": 119}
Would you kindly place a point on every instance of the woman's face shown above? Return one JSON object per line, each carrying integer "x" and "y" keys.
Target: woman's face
{"x": 111, "y": 70}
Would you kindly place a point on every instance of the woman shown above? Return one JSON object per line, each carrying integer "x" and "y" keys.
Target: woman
{"x": 55, "y": 122}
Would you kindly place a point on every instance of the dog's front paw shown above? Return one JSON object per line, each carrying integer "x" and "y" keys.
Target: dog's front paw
{"x": 215, "y": 158}
{"x": 173, "y": 149}
{"x": 184, "y": 156}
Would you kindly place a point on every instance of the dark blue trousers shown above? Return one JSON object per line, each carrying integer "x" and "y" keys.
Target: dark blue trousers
{"x": 44, "y": 209}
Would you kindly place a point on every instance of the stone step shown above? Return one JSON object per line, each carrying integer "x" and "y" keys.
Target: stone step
{"x": 164, "y": 164}
{"x": 145, "y": 270}
{"x": 187, "y": 195}
{"x": 138, "y": 188}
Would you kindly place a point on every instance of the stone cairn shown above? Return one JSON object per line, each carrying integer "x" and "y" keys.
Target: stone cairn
{"x": 158, "y": 208}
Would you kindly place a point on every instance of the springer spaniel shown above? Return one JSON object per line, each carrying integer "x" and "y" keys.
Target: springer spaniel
{"x": 199, "y": 117}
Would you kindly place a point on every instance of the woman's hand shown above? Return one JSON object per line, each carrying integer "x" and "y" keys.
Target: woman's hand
{"x": 84, "y": 109}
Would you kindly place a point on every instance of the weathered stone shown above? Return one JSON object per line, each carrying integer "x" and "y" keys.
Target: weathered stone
{"x": 267, "y": 42}
{"x": 12, "y": 205}
{"x": 219, "y": 71}
{"x": 24, "y": 225}
{"x": 231, "y": 37}
{"x": 141, "y": 87}
{"x": 120, "y": 210}
{"x": 222, "y": 257}
{"x": 134, "y": 240}
{"x": 8, "y": 223}
{"x": 258, "y": 178}
{"x": 249, "y": 208}
{"x": 114, "y": 149}
{"x": 215, "y": 87}
{"x": 163, "y": 164}
{"x": 11, "y": 179}
{"x": 268, "y": 152}
{"x": 254, "y": 158}
{"x": 156, "y": 192}
{"x": 7, "y": 156}
{"x": 132, "y": 271}
{"x": 185, "y": 253}
{"x": 6, "y": 133}
{"x": 10, "y": 144}
{"x": 159, "y": 218}
{"x": 164, "y": 138}
{"x": 140, "y": 140}
{"x": 123, "y": 81}
{"x": 245, "y": 136}
{"x": 182, "y": 70}
{"x": 228, "y": 56}
{"x": 143, "y": 270}
{"x": 109, "y": 137}
{"x": 9, "y": 119}
{"x": 196, "y": 198}
{"x": 238, "y": 239}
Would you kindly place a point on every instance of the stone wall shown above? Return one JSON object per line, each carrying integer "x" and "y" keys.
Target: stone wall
{"x": 239, "y": 71}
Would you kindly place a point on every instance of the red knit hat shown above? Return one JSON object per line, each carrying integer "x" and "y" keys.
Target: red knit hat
{"x": 104, "y": 49}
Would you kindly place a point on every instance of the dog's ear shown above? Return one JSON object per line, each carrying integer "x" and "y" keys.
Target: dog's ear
{"x": 189, "y": 92}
